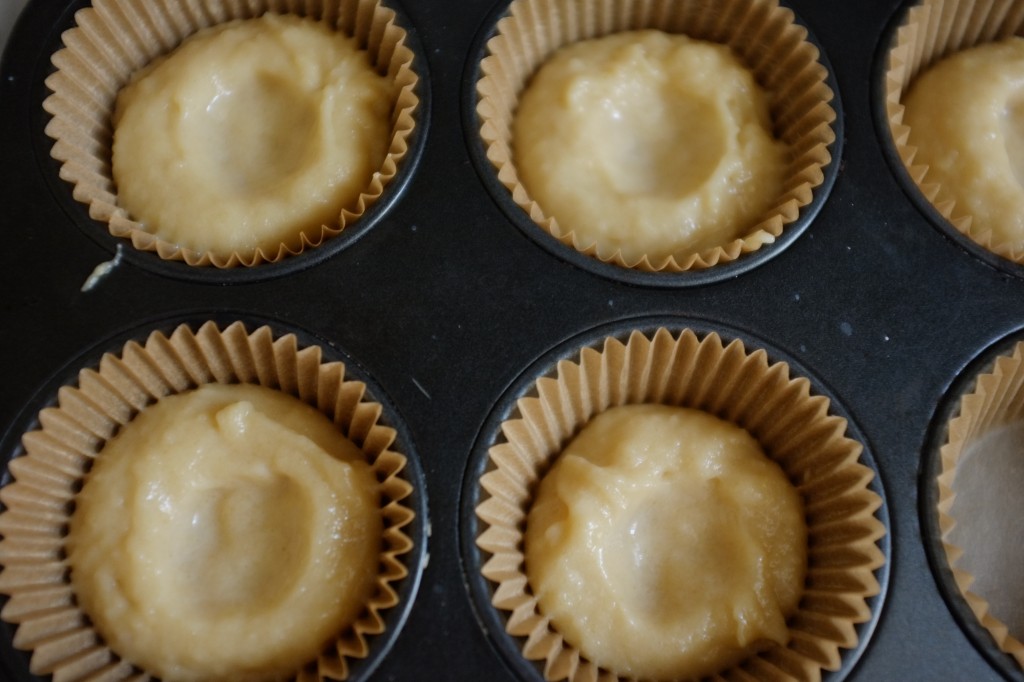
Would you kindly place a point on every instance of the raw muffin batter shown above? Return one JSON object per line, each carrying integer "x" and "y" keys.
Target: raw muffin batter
{"x": 664, "y": 544}
{"x": 249, "y": 135}
{"x": 648, "y": 143}
{"x": 966, "y": 119}
{"x": 225, "y": 533}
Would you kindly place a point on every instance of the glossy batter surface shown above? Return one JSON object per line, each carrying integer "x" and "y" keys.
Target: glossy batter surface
{"x": 664, "y": 544}
{"x": 966, "y": 118}
{"x": 648, "y": 143}
{"x": 250, "y": 134}
{"x": 225, "y": 533}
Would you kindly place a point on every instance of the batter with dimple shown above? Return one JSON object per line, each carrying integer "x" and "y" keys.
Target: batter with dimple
{"x": 225, "y": 533}
{"x": 664, "y": 544}
{"x": 966, "y": 119}
{"x": 249, "y": 135}
{"x": 647, "y": 143}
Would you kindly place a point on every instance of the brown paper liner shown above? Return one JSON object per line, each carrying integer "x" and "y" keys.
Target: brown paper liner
{"x": 996, "y": 400}
{"x": 932, "y": 30}
{"x": 46, "y": 479}
{"x": 792, "y": 426}
{"x": 760, "y": 32}
{"x": 115, "y": 38}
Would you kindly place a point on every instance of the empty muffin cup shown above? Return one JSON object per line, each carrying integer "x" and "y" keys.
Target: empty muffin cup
{"x": 38, "y": 564}
{"x": 766, "y": 40}
{"x": 114, "y": 39}
{"x": 981, "y": 474}
{"x": 794, "y": 428}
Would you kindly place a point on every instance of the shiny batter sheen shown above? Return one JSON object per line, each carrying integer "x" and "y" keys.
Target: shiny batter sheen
{"x": 648, "y": 143}
{"x": 249, "y": 134}
{"x": 225, "y": 533}
{"x": 664, "y": 544}
{"x": 966, "y": 118}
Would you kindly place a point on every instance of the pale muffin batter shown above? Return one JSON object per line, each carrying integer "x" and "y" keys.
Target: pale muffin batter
{"x": 648, "y": 143}
{"x": 225, "y": 533}
{"x": 664, "y": 544}
{"x": 249, "y": 135}
{"x": 966, "y": 119}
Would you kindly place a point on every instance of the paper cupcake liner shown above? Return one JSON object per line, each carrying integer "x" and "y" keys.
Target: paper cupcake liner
{"x": 115, "y": 38}
{"x": 997, "y": 400}
{"x": 932, "y": 30}
{"x": 794, "y": 428}
{"x": 760, "y": 32}
{"x": 40, "y": 500}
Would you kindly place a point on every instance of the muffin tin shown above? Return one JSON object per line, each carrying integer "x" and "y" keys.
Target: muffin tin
{"x": 448, "y": 305}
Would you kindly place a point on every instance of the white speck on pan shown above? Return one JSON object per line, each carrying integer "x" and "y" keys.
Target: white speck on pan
{"x": 420, "y": 386}
{"x": 102, "y": 270}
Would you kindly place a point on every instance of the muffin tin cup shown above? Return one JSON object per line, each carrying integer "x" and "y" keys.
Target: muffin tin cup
{"x": 111, "y": 39}
{"x": 786, "y": 62}
{"x": 57, "y": 445}
{"x": 970, "y": 502}
{"x": 642, "y": 361}
{"x": 922, "y": 33}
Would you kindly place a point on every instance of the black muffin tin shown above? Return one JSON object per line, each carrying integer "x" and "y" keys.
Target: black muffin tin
{"x": 449, "y": 305}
